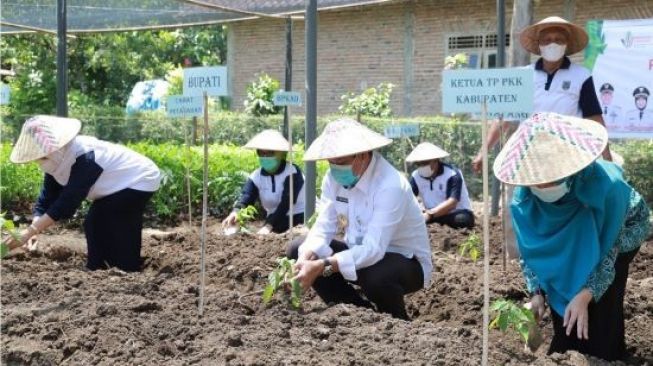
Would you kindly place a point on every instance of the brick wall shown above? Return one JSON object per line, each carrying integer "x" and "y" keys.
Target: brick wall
{"x": 402, "y": 42}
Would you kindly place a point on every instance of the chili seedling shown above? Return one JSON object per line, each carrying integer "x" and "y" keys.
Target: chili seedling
{"x": 244, "y": 216}
{"x": 8, "y": 228}
{"x": 282, "y": 278}
{"x": 519, "y": 318}
{"x": 471, "y": 247}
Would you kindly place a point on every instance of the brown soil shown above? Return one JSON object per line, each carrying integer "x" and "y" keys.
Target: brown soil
{"x": 54, "y": 312}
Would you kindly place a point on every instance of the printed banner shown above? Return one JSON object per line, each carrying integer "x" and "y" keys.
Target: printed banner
{"x": 620, "y": 56}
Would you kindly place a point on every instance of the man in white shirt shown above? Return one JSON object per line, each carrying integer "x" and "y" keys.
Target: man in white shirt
{"x": 365, "y": 201}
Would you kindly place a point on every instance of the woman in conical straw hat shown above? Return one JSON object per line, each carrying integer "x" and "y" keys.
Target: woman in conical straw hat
{"x": 116, "y": 179}
{"x": 441, "y": 187}
{"x": 271, "y": 184}
{"x": 384, "y": 248}
{"x": 578, "y": 226}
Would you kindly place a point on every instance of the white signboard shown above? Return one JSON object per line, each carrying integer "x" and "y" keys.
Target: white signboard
{"x": 181, "y": 106}
{"x": 287, "y": 98}
{"x": 404, "y": 130}
{"x": 5, "y": 93}
{"x": 211, "y": 79}
{"x": 620, "y": 57}
{"x": 507, "y": 92}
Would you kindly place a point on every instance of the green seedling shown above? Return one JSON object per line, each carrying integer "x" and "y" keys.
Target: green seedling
{"x": 471, "y": 247}
{"x": 282, "y": 278}
{"x": 519, "y": 318}
{"x": 8, "y": 228}
{"x": 244, "y": 216}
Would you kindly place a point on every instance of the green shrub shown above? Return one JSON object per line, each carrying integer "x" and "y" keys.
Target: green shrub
{"x": 259, "y": 96}
{"x": 638, "y": 165}
{"x": 373, "y": 102}
{"x": 19, "y": 183}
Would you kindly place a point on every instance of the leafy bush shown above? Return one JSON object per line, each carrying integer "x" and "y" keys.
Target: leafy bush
{"x": 259, "y": 96}
{"x": 20, "y": 183}
{"x": 373, "y": 102}
{"x": 638, "y": 165}
{"x": 457, "y": 61}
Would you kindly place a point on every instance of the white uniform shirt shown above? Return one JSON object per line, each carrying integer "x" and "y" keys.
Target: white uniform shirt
{"x": 563, "y": 95}
{"x": 434, "y": 192}
{"x": 382, "y": 215}
{"x": 270, "y": 194}
{"x": 121, "y": 167}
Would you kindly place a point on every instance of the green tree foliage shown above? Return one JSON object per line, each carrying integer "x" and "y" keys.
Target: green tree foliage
{"x": 373, "y": 102}
{"x": 259, "y": 96}
{"x": 102, "y": 68}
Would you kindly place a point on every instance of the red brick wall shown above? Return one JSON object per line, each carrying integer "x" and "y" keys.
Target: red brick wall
{"x": 361, "y": 47}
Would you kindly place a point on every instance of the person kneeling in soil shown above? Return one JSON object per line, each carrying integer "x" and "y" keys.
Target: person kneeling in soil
{"x": 271, "y": 184}
{"x": 578, "y": 226}
{"x": 118, "y": 180}
{"x": 441, "y": 188}
{"x": 386, "y": 249}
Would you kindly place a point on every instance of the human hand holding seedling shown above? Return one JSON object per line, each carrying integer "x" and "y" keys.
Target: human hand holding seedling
{"x": 537, "y": 306}
{"x": 282, "y": 277}
{"x": 230, "y": 220}
{"x": 308, "y": 271}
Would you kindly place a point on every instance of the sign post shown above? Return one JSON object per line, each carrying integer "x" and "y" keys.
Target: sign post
{"x": 205, "y": 82}
{"x": 5, "y": 94}
{"x": 406, "y": 130}
{"x": 494, "y": 93}
{"x": 287, "y": 99}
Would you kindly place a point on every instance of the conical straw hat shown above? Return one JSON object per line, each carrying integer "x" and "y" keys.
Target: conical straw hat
{"x": 268, "y": 140}
{"x": 426, "y": 151}
{"x": 344, "y": 137}
{"x": 43, "y": 135}
{"x": 530, "y": 36}
{"x": 548, "y": 147}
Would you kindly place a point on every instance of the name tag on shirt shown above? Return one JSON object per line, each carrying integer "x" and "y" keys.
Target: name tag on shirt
{"x": 342, "y": 199}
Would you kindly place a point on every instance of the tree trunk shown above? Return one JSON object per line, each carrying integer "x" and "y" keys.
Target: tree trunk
{"x": 522, "y": 17}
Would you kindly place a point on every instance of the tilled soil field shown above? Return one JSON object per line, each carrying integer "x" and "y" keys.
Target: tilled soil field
{"x": 55, "y": 313}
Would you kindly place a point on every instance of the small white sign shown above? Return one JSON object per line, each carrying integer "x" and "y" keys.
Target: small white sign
{"x": 287, "y": 98}
{"x": 180, "y": 106}
{"x": 5, "y": 94}
{"x": 211, "y": 79}
{"x": 508, "y": 91}
{"x": 404, "y": 130}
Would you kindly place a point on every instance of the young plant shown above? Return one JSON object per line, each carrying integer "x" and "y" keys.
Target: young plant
{"x": 244, "y": 216}
{"x": 471, "y": 247}
{"x": 282, "y": 278}
{"x": 8, "y": 228}
{"x": 519, "y": 318}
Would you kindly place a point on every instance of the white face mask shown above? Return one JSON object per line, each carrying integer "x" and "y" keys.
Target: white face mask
{"x": 553, "y": 51}
{"x": 425, "y": 171}
{"x": 551, "y": 194}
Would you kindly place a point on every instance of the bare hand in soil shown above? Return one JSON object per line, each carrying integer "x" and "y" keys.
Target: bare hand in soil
{"x": 32, "y": 244}
{"x": 307, "y": 272}
{"x": 537, "y": 306}
{"x": 230, "y": 220}
{"x": 576, "y": 313}
{"x": 264, "y": 230}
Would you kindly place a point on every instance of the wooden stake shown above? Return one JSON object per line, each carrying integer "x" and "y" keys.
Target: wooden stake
{"x": 486, "y": 243}
{"x": 291, "y": 209}
{"x": 188, "y": 159}
{"x": 205, "y": 192}
{"x": 504, "y": 208}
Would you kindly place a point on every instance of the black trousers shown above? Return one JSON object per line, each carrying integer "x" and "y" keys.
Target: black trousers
{"x": 606, "y": 320}
{"x": 384, "y": 283}
{"x": 457, "y": 219}
{"x": 113, "y": 228}
{"x": 283, "y": 226}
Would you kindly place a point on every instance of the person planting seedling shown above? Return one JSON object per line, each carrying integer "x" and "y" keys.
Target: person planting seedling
{"x": 243, "y": 216}
{"x": 271, "y": 185}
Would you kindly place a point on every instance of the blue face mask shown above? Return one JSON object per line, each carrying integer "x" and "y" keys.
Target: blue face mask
{"x": 344, "y": 175}
{"x": 269, "y": 163}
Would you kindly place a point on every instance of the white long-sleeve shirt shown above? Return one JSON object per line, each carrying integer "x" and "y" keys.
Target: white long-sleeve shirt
{"x": 381, "y": 215}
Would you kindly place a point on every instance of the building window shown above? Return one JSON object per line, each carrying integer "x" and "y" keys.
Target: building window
{"x": 481, "y": 49}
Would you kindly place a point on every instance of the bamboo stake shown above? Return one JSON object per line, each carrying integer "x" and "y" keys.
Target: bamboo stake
{"x": 291, "y": 209}
{"x": 486, "y": 243}
{"x": 205, "y": 191}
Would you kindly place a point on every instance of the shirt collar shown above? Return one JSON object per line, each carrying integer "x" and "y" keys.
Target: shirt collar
{"x": 539, "y": 65}
{"x": 282, "y": 166}
{"x": 365, "y": 182}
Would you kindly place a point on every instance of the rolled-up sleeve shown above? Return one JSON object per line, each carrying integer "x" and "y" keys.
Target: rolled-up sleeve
{"x": 387, "y": 212}
{"x": 324, "y": 230}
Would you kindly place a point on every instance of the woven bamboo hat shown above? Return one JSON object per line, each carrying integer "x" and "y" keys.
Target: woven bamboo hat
{"x": 426, "y": 151}
{"x": 42, "y": 135}
{"x": 530, "y": 36}
{"x": 268, "y": 140}
{"x": 344, "y": 137}
{"x": 548, "y": 147}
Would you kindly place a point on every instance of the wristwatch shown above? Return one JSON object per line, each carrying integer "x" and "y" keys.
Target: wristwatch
{"x": 328, "y": 269}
